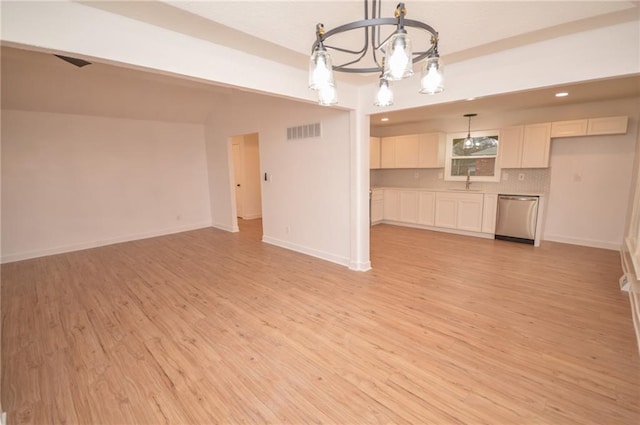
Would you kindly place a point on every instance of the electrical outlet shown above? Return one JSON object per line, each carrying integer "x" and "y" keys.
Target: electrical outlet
{"x": 521, "y": 177}
{"x": 505, "y": 176}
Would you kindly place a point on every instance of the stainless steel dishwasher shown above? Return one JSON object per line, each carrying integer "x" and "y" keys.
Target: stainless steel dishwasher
{"x": 517, "y": 218}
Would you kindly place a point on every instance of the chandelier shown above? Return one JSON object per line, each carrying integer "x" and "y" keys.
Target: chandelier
{"x": 394, "y": 62}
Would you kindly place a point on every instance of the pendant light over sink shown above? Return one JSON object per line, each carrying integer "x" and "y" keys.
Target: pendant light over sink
{"x": 468, "y": 142}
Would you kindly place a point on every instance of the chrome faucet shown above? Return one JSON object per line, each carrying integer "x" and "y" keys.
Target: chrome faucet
{"x": 468, "y": 183}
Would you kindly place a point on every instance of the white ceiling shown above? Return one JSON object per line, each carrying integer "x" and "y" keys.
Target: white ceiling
{"x": 35, "y": 81}
{"x": 584, "y": 92}
{"x": 462, "y": 26}
{"x": 284, "y": 31}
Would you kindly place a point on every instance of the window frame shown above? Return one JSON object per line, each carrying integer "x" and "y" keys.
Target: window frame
{"x": 449, "y": 157}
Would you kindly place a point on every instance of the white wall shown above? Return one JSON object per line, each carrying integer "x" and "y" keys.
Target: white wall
{"x": 71, "y": 182}
{"x": 590, "y": 185}
{"x": 306, "y": 205}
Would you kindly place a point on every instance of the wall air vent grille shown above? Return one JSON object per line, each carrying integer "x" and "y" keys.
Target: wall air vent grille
{"x": 306, "y": 131}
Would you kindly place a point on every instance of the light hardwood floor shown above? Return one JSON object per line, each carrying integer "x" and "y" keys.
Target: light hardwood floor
{"x": 209, "y": 327}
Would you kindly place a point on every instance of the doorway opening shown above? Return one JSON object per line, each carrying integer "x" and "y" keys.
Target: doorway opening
{"x": 247, "y": 183}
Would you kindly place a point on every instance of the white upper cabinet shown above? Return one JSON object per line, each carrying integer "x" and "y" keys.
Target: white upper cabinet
{"x": 374, "y": 153}
{"x": 431, "y": 150}
{"x": 413, "y": 151}
{"x": 536, "y": 144}
{"x": 569, "y": 128}
{"x": 607, "y": 125}
{"x": 407, "y": 151}
{"x": 388, "y": 152}
{"x": 525, "y": 146}
{"x": 511, "y": 146}
{"x": 590, "y": 127}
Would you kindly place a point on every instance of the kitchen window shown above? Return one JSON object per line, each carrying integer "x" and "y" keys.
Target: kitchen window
{"x": 478, "y": 159}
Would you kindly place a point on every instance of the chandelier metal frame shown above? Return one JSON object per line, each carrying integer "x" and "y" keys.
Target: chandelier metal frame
{"x": 396, "y": 61}
{"x": 373, "y": 43}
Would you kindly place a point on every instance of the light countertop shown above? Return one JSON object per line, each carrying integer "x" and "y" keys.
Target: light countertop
{"x": 458, "y": 190}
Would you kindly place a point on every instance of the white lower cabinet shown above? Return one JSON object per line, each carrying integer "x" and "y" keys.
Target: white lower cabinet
{"x": 409, "y": 206}
{"x": 446, "y": 211}
{"x": 462, "y": 211}
{"x": 470, "y": 212}
{"x": 391, "y": 209}
{"x": 489, "y": 211}
{"x": 377, "y": 206}
{"x": 427, "y": 208}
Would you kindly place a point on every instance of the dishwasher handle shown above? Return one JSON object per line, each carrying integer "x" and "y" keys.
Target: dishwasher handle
{"x": 518, "y": 198}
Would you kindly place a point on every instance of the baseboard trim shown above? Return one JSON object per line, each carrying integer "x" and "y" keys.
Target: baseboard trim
{"x": 582, "y": 242}
{"x": 630, "y": 283}
{"x": 439, "y": 229}
{"x": 360, "y": 266}
{"x": 251, "y": 216}
{"x": 343, "y": 261}
{"x": 233, "y": 228}
{"x": 10, "y": 258}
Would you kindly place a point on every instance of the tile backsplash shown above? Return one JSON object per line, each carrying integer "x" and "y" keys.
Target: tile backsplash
{"x": 536, "y": 180}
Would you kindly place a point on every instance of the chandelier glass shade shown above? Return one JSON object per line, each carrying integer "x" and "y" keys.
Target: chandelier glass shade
{"x": 392, "y": 57}
{"x": 320, "y": 70}
{"x": 327, "y": 95}
{"x": 398, "y": 59}
{"x": 384, "y": 95}
{"x": 432, "y": 79}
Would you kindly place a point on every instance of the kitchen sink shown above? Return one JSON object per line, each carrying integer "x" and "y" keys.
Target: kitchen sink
{"x": 464, "y": 190}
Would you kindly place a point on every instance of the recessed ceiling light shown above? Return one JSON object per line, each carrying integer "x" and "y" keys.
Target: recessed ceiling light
{"x": 471, "y": 98}
{"x": 562, "y": 94}
{"x": 385, "y": 119}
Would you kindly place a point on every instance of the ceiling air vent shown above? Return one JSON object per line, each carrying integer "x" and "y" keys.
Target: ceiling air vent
{"x": 306, "y": 131}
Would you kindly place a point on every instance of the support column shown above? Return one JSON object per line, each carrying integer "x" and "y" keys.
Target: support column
{"x": 359, "y": 217}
